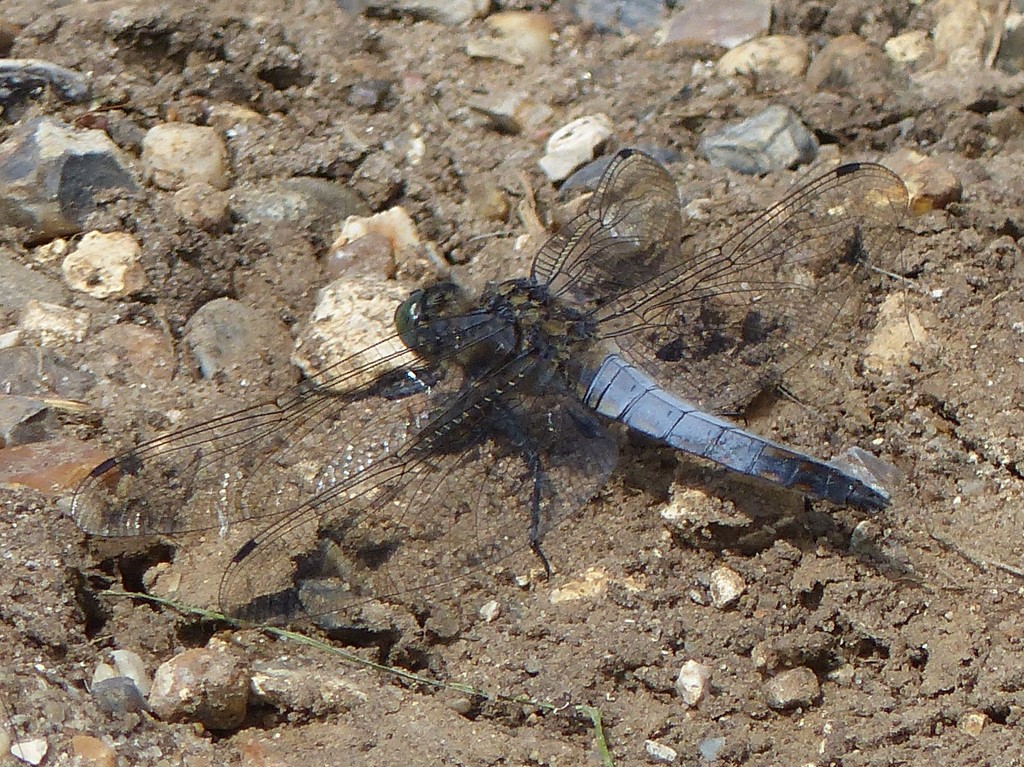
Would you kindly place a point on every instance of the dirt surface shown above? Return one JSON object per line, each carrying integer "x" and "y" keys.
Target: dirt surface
{"x": 911, "y": 621}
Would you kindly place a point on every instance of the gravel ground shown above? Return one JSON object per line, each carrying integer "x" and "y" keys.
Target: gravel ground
{"x": 806, "y": 634}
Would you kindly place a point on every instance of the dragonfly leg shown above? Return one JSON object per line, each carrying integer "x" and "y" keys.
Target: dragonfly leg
{"x": 537, "y": 477}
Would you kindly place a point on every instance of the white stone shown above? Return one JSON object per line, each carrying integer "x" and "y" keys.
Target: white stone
{"x": 692, "y": 682}
{"x": 774, "y": 54}
{"x": 105, "y": 264}
{"x": 53, "y": 325}
{"x": 129, "y": 664}
{"x": 176, "y": 154}
{"x": 659, "y": 752}
{"x": 574, "y": 144}
{"x": 394, "y": 223}
{"x": 30, "y": 751}
{"x": 726, "y": 587}
{"x": 908, "y": 47}
{"x": 489, "y": 610}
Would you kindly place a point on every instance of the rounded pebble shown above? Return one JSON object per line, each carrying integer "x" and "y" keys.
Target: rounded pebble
{"x": 203, "y": 206}
{"x": 228, "y": 338}
{"x": 574, "y": 144}
{"x": 129, "y": 664}
{"x": 177, "y": 154}
{"x": 692, "y": 682}
{"x": 771, "y": 55}
{"x": 726, "y": 586}
{"x": 206, "y": 685}
{"x": 796, "y": 688}
{"x": 93, "y": 752}
{"x": 105, "y": 264}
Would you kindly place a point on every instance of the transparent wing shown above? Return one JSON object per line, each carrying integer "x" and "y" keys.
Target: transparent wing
{"x": 381, "y": 478}
{"x": 723, "y": 324}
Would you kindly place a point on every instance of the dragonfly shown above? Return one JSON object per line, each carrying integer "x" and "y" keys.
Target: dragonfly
{"x": 482, "y": 423}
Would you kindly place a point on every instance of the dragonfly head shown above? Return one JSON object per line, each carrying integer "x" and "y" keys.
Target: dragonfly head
{"x": 416, "y": 316}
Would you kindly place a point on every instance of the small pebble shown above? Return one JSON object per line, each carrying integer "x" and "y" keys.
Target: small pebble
{"x": 719, "y": 22}
{"x": 929, "y": 182}
{"x": 770, "y": 141}
{"x": 204, "y": 207}
{"x": 490, "y": 610}
{"x": 796, "y": 688}
{"x": 770, "y": 55}
{"x": 177, "y": 154}
{"x": 105, "y": 264}
{"x": 52, "y": 325}
{"x": 518, "y": 38}
{"x": 972, "y": 723}
{"x": 206, "y": 685}
{"x": 30, "y": 751}
{"x": 118, "y": 695}
{"x": 710, "y": 748}
{"x": 22, "y": 420}
{"x": 726, "y": 587}
{"x": 369, "y": 94}
{"x": 316, "y": 203}
{"x": 659, "y": 753}
{"x": 692, "y": 682}
{"x": 129, "y": 664}
{"x": 908, "y": 47}
{"x": 93, "y": 752}
{"x": 897, "y": 336}
{"x": 395, "y": 224}
{"x": 574, "y": 144}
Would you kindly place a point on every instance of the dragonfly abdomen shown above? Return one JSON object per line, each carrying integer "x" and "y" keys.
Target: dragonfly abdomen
{"x": 622, "y": 392}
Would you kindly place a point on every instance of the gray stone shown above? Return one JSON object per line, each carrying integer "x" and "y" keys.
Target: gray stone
{"x": 311, "y": 202}
{"x": 22, "y": 79}
{"x": 52, "y": 174}
{"x": 118, "y": 695}
{"x": 719, "y": 22}
{"x": 232, "y": 340}
{"x": 22, "y": 420}
{"x": 619, "y": 15}
{"x": 771, "y": 141}
{"x": 18, "y": 284}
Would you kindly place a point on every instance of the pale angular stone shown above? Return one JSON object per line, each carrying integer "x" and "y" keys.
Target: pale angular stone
{"x": 574, "y": 144}
{"x": 177, "y": 154}
{"x": 726, "y": 586}
{"x": 771, "y": 55}
{"x": 105, "y": 264}
{"x": 53, "y": 325}
{"x": 692, "y": 682}
{"x": 795, "y": 688}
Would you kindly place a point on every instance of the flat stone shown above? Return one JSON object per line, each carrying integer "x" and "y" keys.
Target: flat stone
{"x": 311, "y": 202}
{"x": 105, "y": 264}
{"x": 118, "y": 695}
{"x": 620, "y": 15}
{"x": 51, "y": 175}
{"x": 177, "y": 154}
{"x": 796, "y": 688}
{"x": 23, "y": 79}
{"x": 771, "y": 141}
{"x": 296, "y": 686}
{"x": 22, "y": 420}
{"x": 19, "y": 284}
{"x": 206, "y": 685}
{"x": 30, "y": 751}
{"x": 231, "y": 340}
{"x": 659, "y": 753}
{"x": 517, "y": 37}
{"x": 52, "y": 325}
{"x": 962, "y": 32}
{"x": 766, "y": 56}
{"x": 719, "y": 22}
